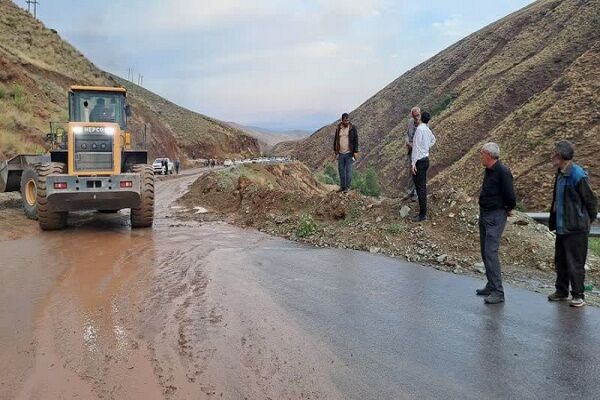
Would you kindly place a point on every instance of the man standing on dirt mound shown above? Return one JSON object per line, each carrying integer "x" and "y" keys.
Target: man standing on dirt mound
{"x": 345, "y": 147}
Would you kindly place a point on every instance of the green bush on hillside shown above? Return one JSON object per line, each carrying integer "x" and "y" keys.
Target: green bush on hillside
{"x": 329, "y": 176}
{"x": 595, "y": 246}
{"x": 18, "y": 96}
{"x": 366, "y": 182}
{"x": 443, "y": 104}
{"x": 306, "y": 226}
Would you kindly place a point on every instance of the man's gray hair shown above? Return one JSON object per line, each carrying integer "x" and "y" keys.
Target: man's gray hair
{"x": 492, "y": 149}
{"x": 565, "y": 150}
{"x": 415, "y": 109}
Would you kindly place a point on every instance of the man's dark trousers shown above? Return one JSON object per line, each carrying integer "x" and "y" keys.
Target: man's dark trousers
{"x": 420, "y": 180}
{"x": 345, "y": 162}
{"x": 491, "y": 227}
{"x": 569, "y": 257}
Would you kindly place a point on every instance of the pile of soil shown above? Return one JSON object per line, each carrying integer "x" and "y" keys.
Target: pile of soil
{"x": 286, "y": 200}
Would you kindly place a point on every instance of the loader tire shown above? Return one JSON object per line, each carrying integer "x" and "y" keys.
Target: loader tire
{"x": 143, "y": 216}
{"x": 49, "y": 220}
{"x": 29, "y": 188}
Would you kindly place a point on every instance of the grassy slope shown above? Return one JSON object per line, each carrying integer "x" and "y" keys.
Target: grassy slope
{"x": 526, "y": 81}
{"x": 36, "y": 69}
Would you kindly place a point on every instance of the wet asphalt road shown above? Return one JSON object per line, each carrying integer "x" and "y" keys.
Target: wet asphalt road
{"x": 213, "y": 311}
{"x": 405, "y": 331}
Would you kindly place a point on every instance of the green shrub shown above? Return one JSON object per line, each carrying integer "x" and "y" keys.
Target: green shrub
{"x": 443, "y": 104}
{"x": 394, "y": 229}
{"x": 367, "y": 182}
{"x": 306, "y": 226}
{"x": 326, "y": 179}
{"x": 2, "y": 92}
{"x": 18, "y": 96}
{"x": 520, "y": 206}
{"x": 595, "y": 246}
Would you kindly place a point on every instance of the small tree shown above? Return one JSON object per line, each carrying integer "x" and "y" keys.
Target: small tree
{"x": 332, "y": 173}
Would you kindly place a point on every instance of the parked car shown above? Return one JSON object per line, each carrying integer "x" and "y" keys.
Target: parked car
{"x": 227, "y": 163}
{"x": 159, "y": 168}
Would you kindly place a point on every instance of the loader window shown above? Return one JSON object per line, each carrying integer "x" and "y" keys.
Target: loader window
{"x": 98, "y": 107}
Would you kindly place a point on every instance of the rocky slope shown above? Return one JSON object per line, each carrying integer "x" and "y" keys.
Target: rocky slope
{"x": 525, "y": 81}
{"x": 36, "y": 69}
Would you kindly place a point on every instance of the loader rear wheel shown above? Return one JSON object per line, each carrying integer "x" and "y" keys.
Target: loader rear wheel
{"x": 49, "y": 220}
{"x": 29, "y": 187}
{"x": 143, "y": 216}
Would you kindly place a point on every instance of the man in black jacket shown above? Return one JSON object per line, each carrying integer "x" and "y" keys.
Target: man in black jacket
{"x": 496, "y": 202}
{"x": 345, "y": 147}
{"x": 574, "y": 208}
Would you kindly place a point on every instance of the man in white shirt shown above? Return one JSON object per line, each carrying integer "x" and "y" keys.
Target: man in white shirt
{"x": 414, "y": 119}
{"x": 422, "y": 142}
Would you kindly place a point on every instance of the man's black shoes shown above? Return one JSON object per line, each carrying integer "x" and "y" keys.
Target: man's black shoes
{"x": 483, "y": 292}
{"x": 494, "y": 298}
{"x": 420, "y": 218}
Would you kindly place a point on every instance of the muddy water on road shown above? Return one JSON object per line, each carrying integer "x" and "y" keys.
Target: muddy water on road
{"x": 100, "y": 311}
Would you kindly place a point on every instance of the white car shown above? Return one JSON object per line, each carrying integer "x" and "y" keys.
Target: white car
{"x": 227, "y": 163}
{"x": 159, "y": 168}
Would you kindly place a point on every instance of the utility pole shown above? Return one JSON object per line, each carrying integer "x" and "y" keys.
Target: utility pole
{"x": 35, "y": 3}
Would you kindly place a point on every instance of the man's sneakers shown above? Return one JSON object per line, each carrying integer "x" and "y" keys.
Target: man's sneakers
{"x": 483, "y": 292}
{"x": 556, "y": 296}
{"x": 577, "y": 302}
{"x": 494, "y": 298}
{"x": 574, "y": 302}
{"x": 420, "y": 218}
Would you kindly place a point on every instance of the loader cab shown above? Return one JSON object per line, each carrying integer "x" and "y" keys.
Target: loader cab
{"x": 98, "y": 104}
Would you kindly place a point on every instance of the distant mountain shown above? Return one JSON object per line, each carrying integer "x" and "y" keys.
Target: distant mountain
{"x": 36, "y": 69}
{"x": 525, "y": 81}
{"x": 268, "y": 138}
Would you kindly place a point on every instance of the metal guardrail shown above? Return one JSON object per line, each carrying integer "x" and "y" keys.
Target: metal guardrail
{"x": 544, "y": 217}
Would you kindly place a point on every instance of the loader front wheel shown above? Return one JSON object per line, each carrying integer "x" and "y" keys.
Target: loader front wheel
{"x": 143, "y": 216}
{"x": 49, "y": 220}
{"x": 29, "y": 187}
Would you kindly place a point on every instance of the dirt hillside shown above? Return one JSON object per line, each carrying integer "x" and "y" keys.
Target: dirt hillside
{"x": 286, "y": 200}
{"x": 524, "y": 81}
{"x": 36, "y": 68}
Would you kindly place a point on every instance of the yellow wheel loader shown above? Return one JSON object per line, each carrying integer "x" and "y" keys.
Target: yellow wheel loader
{"x": 90, "y": 166}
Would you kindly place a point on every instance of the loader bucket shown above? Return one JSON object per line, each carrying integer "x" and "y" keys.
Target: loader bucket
{"x": 11, "y": 170}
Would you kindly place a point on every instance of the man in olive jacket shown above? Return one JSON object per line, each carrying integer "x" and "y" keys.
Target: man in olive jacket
{"x": 345, "y": 147}
{"x": 574, "y": 208}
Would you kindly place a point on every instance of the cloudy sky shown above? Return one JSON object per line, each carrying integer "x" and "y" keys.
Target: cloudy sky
{"x": 280, "y": 64}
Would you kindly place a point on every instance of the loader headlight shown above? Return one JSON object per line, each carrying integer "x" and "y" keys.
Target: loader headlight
{"x": 109, "y": 130}
{"x": 78, "y": 129}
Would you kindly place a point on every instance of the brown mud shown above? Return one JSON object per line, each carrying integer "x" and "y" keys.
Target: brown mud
{"x": 99, "y": 311}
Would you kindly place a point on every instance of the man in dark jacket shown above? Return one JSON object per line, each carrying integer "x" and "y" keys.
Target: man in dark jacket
{"x": 345, "y": 147}
{"x": 496, "y": 202}
{"x": 574, "y": 208}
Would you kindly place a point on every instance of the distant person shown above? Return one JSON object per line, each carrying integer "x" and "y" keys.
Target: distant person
{"x": 164, "y": 164}
{"x": 345, "y": 147}
{"x": 177, "y": 164}
{"x": 574, "y": 208}
{"x": 414, "y": 119}
{"x": 422, "y": 143}
{"x": 496, "y": 202}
